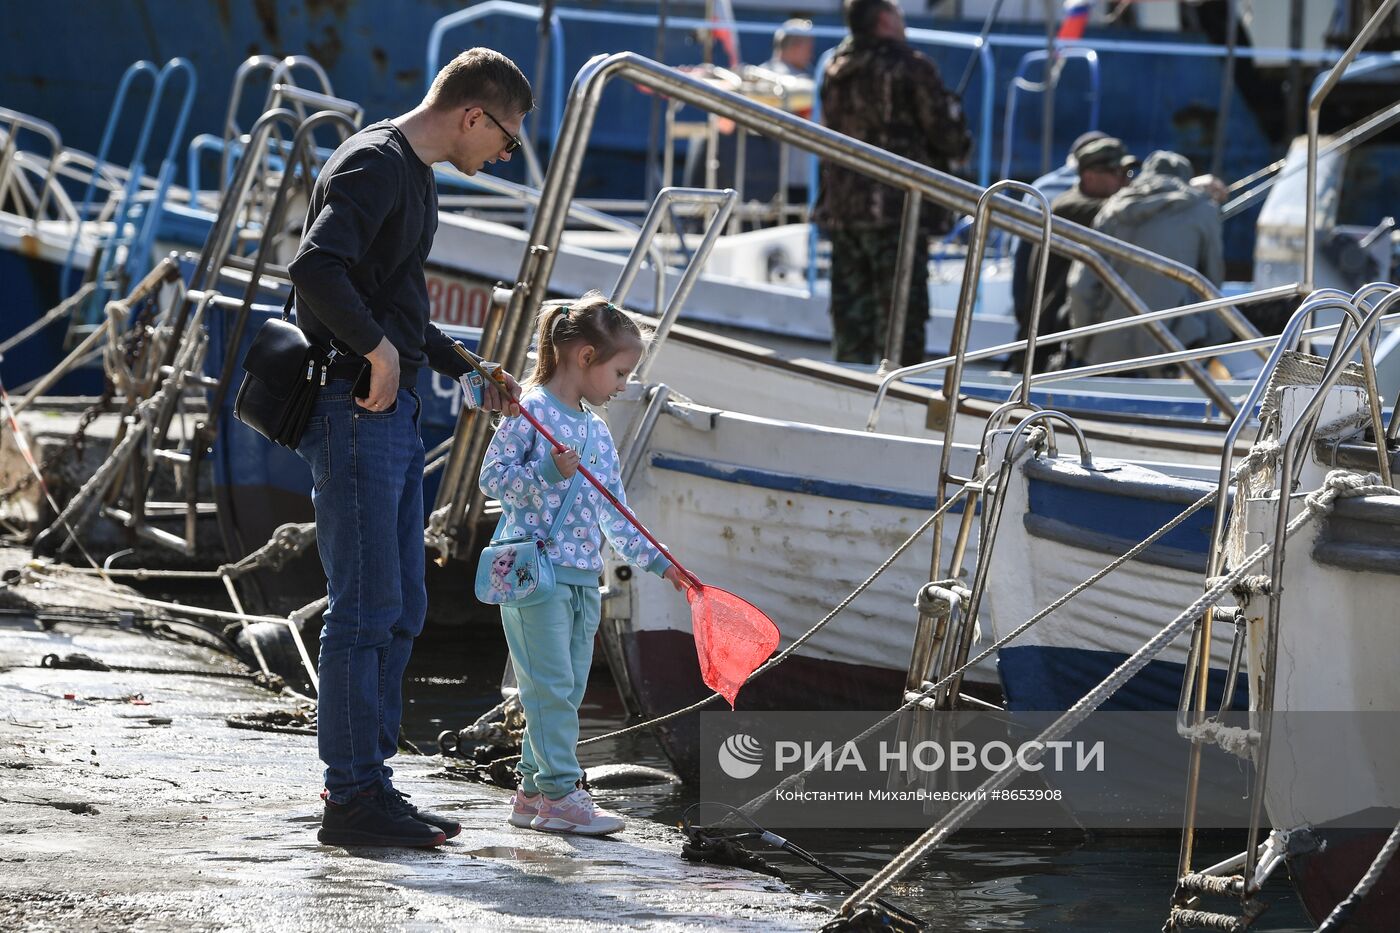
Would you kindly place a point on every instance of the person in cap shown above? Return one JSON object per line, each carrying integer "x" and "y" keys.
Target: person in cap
{"x": 881, "y": 91}
{"x": 793, "y": 48}
{"x": 1159, "y": 211}
{"x": 1102, "y": 165}
{"x": 1052, "y": 184}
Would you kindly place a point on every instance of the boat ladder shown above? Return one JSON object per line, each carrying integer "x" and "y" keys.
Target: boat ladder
{"x": 1243, "y": 876}
{"x": 170, "y": 389}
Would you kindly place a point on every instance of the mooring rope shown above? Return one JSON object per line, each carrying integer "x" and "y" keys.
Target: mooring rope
{"x": 1262, "y": 453}
{"x": 1338, "y": 484}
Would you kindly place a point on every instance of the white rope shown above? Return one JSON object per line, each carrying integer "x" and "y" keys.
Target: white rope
{"x": 1338, "y": 484}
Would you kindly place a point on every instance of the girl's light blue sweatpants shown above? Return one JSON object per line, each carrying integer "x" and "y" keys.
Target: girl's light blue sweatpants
{"x": 551, "y": 644}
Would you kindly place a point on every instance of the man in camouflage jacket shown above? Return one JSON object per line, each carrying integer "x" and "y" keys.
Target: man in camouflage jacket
{"x": 881, "y": 91}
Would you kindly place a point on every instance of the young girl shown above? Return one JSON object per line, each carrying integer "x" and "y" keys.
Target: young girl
{"x": 586, "y": 350}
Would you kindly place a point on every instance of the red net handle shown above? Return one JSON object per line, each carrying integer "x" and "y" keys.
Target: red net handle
{"x": 587, "y": 474}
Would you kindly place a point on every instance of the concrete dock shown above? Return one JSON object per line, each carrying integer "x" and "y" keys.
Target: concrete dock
{"x": 127, "y": 802}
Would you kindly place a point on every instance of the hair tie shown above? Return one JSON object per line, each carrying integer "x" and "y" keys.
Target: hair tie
{"x": 554, "y": 327}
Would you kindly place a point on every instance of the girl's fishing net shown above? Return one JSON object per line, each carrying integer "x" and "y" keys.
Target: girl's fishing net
{"x": 732, "y": 638}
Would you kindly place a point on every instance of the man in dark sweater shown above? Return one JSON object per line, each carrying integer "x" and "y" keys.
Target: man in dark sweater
{"x": 360, "y": 289}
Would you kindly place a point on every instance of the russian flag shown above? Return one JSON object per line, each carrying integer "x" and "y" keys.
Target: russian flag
{"x": 1076, "y": 17}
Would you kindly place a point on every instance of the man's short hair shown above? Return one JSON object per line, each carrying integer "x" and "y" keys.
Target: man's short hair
{"x": 862, "y": 15}
{"x": 790, "y": 30}
{"x": 483, "y": 78}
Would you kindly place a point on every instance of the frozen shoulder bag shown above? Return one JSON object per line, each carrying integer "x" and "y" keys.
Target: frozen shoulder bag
{"x": 516, "y": 571}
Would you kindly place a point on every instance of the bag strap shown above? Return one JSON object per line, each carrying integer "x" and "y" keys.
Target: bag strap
{"x": 570, "y": 494}
{"x": 574, "y": 488}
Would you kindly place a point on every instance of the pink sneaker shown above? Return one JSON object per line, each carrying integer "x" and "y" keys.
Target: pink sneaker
{"x": 523, "y": 808}
{"x": 575, "y": 813}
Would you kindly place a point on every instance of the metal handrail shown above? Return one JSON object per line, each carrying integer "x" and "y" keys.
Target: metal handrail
{"x": 1068, "y": 238}
{"x": 962, "y": 328}
{"x": 1319, "y": 94}
{"x": 1019, "y": 84}
{"x": 988, "y": 542}
{"x": 134, "y": 70}
{"x": 1302, "y": 429}
{"x": 1352, "y": 137}
{"x": 1102, "y": 327}
{"x": 231, "y": 129}
{"x": 1258, "y": 344}
{"x": 8, "y": 152}
{"x": 1195, "y": 681}
{"x": 724, "y": 203}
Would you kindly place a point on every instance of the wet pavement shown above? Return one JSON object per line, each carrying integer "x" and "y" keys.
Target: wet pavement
{"x": 126, "y": 801}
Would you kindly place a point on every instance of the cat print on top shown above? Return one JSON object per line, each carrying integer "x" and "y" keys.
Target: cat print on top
{"x": 519, "y": 470}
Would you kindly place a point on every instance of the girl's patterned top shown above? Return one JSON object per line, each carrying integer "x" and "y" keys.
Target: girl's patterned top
{"x": 519, "y": 470}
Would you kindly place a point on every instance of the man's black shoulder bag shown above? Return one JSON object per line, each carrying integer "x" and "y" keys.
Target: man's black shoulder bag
{"x": 282, "y": 372}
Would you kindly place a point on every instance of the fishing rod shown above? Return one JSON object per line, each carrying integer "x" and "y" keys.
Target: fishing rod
{"x": 499, "y": 380}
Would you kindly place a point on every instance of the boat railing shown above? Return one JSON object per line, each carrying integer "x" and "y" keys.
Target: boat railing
{"x": 13, "y": 188}
{"x": 1192, "y": 706}
{"x": 138, "y": 242}
{"x": 1102, "y": 327}
{"x": 962, "y": 328}
{"x": 1249, "y": 189}
{"x": 1019, "y": 84}
{"x": 1320, "y": 92}
{"x": 280, "y": 71}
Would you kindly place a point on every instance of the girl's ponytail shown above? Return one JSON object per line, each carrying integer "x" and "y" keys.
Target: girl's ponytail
{"x": 547, "y": 353}
{"x": 591, "y": 319}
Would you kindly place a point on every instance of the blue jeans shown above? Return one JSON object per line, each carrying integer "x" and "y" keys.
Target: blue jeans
{"x": 367, "y": 470}
{"x": 551, "y": 644}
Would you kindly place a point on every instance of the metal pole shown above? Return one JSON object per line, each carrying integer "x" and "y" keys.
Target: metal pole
{"x": 903, "y": 273}
{"x": 1047, "y": 99}
{"x": 542, "y": 57}
{"x": 982, "y": 40}
{"x": 1295, "y": 70}
{"x": 653, "y": 128}
{"x": 1227, "y": 90}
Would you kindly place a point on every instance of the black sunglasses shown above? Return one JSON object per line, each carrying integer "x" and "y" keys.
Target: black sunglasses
{"x": 512, "y": 141}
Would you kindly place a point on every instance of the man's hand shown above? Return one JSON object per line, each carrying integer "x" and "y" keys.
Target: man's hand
{"x": 383, "y": 377}
{"x": 678, "y": 579}
{"x": 566, "y": 462}
{"x": 493, "y": 398}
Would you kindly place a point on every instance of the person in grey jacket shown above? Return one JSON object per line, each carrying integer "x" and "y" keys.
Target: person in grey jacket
{"x": 1158, "y": 211}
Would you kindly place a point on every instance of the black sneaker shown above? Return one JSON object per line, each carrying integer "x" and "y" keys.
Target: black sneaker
{"x": 397, "y": 802}
{"x": 372, "y": 819}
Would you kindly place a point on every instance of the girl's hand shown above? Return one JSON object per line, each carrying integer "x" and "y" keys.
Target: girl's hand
{"x": 678, "y": 579}
{"x": 566, "y": 462}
